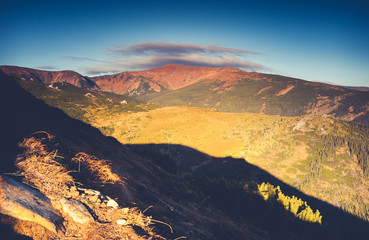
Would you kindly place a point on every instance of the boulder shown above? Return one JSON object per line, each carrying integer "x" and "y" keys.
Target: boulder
{"x": 76, "y": 210}
{"x": 122, "y": 221}
{"x": 112, "y": 203}
{"x": 94, "y": 199}
{"x": 25, "y": 203}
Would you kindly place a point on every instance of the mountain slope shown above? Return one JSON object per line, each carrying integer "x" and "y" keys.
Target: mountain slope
{"x": 272, "y": 95}
{"x": 168, "y": 77}
{"x": 48, "y": 77}
{"x": 234, "y": 90}
{"x": 74, "y": 100}
{"x": 362, "y": 89}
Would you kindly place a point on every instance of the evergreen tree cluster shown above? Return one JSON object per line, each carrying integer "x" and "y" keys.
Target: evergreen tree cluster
{"x": 356, "y": 139}
{"x": 292, "y": 204}
{"x": 358, "y": 145}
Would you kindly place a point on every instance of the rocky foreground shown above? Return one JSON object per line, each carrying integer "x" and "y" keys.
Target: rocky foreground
{"x": 55, "y": 207}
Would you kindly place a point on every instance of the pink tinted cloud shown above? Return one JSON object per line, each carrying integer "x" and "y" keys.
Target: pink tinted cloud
{"x": 176, "y": 48}
{"x": 148, "y": 55}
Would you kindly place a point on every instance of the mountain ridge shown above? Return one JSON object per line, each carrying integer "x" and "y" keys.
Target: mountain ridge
{"x": 224, "y": 89}
{"x": 167, "y": 77}
{"x": 16, "y": 71}
{"x": 49, "y": 77}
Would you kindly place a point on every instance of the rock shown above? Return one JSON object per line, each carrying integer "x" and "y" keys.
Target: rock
{"x": 112, "y": 203}
{"x": 121, "y": 222}
{"x": 125, "y": 210}
{"x": 89, "y": 95}
{"x": 73, "y": 193}
{"x": 93, "y": 198}
{"x": 90, "y": 191}
{"x": 56, "y": 204}
{"x": 76, "y": 210}
{"x": 22, "y": 202}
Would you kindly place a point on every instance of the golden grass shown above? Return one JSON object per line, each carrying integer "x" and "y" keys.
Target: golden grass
{"x": 41, "y": 169}
{"x": 99, "y": 167}
{"x": 189, "y": 126}
{"x": 106, "y": 224}
{"x": 27, "y": 228}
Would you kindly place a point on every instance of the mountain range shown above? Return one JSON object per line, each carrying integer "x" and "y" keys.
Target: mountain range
{"x": 224, "y": 89}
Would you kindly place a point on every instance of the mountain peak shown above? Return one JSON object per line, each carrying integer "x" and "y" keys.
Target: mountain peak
{"x": 175, "y": 67}
{"x": 181, "y": 67}
{"x": 169, "y": 76}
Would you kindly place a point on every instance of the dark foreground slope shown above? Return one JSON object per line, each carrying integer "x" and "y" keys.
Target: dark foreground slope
{"x": 201, "y": 197}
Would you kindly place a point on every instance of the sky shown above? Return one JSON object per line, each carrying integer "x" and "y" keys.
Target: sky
{"x": 326, "y": 41}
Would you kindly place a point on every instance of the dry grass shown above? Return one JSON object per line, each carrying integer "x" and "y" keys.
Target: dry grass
{"x": 41, "y": 169}
{"x": 33, "y": 230}
{"x": 98, "y": 167}
{"x": 107, "y": 227}
{"x": 27, "y": 228}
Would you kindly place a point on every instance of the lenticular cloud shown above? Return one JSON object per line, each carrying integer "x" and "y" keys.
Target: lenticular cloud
{"x": 148, "y": 55}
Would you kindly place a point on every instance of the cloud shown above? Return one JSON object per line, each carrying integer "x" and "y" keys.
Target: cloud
{"x": 74, "y": 58}
{"x": 149, "y": 55}
{"x": 201, "y": 60}
{"x": 101, "y": 70}
{"x": 175, "y": 49}
{"x": 192, "y": 59}
{"x": 46, "y": 67}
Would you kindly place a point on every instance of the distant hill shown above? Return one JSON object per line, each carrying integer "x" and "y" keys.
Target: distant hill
{"x": 269, "y": 94}
{"x": 362, "y": 89}
{"x": 234, "y": 90}
{"x": 48, "y": 77}
{"x": 168, "y": 77}
{"x": 75, "y": 100}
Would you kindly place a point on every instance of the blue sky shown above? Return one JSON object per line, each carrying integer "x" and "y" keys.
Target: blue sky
{"x": 323, "y": 41}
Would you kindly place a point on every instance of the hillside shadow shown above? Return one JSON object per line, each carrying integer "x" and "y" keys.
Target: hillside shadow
{"x": 156, "y": 168}
{"x": 185, "y": 161}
